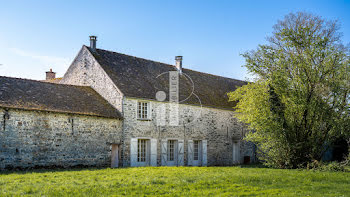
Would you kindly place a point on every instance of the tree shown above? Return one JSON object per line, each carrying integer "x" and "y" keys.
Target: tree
{"x": 300, "y": 99}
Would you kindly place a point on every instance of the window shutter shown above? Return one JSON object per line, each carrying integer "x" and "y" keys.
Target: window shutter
{"x": 190, "y": 153}
{"x": 137, "y": 110}
{"x": 204, "y": 152}
{"x": 153, "y": 152}
{"x": 180, "y": 153}
{"x": 133, "y": 152}
{"x": 164, "y": 152}
{"x": 149, "y": 111}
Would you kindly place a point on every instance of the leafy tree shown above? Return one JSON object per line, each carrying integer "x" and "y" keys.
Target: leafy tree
{"x": 300, "y": 100}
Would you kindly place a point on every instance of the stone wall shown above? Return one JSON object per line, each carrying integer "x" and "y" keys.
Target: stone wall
{"x": 85, "y": 71}
{"x": 217, "y": 126}
{"x": 44, "y": 139}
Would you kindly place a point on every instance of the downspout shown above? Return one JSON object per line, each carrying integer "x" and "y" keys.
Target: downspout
{"x": 122, "y": 158}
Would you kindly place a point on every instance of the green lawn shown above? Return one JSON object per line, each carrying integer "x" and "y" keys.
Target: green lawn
{"x": 175, "y": 181}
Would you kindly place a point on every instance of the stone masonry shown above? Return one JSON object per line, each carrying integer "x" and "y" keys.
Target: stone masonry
{"x": 85, "y": 71}
{"x": 46, "y": 139}
{"x": 217, "y": 126}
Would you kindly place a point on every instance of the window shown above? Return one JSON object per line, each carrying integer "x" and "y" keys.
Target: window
{"x": 196, "y": 147}
{"x": 142, "y": 110}
{"x": 171, "y": 150}
{"x": 141, "y": 150}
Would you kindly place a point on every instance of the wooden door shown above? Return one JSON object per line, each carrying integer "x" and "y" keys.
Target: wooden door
{"x": 236, "y": 152}
{"x": 115, "y": 156}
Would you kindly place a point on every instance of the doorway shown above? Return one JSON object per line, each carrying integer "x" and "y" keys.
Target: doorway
{"x": 172, "y": 152}
{"x": 143, "y": 152}
{"x": 236, "y": 152}
{"x": 115, "y": 156}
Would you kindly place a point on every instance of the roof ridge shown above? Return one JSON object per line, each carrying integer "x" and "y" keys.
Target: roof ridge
{"x": 214, "y": 75}
{"x": 46, "y": 82}
{"x": 136, "y": 57}
{"x": 170, "y": 65}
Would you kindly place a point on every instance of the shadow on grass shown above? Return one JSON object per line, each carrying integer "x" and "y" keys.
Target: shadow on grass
{"x": 46, "y": 169}
{"x": 49, "y": 169}
{"x": 253, "y": 166}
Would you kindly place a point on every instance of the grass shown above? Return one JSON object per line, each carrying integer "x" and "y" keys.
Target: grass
{"x": 175, "y": 181}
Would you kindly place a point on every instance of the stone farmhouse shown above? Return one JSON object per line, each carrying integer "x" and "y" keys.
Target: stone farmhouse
{"x": 116, "y": 110}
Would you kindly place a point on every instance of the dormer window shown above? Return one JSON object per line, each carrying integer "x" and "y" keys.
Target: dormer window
{"x": 143, "y": 110}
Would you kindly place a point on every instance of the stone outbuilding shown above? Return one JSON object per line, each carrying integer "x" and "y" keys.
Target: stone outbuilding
{"x": 55, "y": 125}
{"x": 112, "y": 109}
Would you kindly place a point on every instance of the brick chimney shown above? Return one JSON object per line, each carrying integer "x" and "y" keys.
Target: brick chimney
{"x": 93, "y": 40}
{"x": 178, "y": 63}
{"x": 50, "y": 75}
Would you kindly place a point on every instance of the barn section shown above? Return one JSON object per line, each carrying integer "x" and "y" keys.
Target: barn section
{"x": 45, "y": 124}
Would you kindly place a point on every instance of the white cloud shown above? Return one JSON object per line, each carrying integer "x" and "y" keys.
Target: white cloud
{"x": 47, "y": 60}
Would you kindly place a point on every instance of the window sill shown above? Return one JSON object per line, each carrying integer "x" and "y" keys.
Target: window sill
{"x": 144, "y": 119}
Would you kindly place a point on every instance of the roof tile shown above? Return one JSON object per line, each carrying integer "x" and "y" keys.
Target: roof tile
{"x": 141, "y": 78}
{"x": 44, "y": 96}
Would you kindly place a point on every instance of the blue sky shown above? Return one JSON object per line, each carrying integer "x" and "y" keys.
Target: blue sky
{"x": 38, "y": 35}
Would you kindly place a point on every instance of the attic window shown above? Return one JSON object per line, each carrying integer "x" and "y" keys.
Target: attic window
{"x": 143, "y": 110}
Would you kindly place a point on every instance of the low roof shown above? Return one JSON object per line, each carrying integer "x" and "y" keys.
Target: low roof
{"x": 43, "y": 96}
{"x": 141, "y": 78}
{"x": 54, "y": 80}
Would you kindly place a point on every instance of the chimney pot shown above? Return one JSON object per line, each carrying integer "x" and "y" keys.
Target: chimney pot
{"x": 178, "y": 63}
{"x": 93, "y": 40}
{"x": 50, "y": 75}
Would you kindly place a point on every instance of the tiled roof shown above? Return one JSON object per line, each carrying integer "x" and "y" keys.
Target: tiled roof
{"x": 43, "y": 96}
{"x": 139, "y": 78}
{"x": 54, "y": 80}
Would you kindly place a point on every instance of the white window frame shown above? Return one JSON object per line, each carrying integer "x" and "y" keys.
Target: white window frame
{"x": 143, "y": 150}
{"x": 151, "y": 152}
{"x": 197, "y": 152}
{"x": 172, "y": 150}
{"x": 178, "y": 152}
{"x": 197, "y": 146}
{"x": 143, "y": 110}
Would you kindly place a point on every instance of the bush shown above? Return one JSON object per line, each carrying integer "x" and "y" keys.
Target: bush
{"x": 329, "y": 166}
